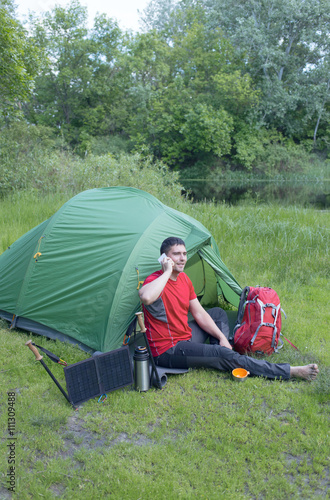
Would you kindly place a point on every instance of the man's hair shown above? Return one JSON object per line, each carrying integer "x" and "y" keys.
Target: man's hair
{"x": 170, "y": 242}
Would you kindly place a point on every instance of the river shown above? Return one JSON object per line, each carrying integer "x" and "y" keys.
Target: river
{"x": 304, "y": 193}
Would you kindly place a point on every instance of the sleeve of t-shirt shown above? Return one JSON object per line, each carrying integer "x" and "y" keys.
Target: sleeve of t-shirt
{"x": 192, "y": 294}
{"x": 152, "y": 277}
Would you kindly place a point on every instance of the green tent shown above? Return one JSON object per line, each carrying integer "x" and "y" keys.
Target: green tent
{"x": 76, "y": 275}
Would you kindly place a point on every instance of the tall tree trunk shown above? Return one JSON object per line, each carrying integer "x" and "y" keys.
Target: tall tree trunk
{"x": 320, "y": 113}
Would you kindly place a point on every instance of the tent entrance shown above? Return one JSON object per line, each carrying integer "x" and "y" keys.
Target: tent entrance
{"x": 204, "y": 280}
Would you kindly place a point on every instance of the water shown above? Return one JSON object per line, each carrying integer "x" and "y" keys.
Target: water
{"x": 308, "y": 193}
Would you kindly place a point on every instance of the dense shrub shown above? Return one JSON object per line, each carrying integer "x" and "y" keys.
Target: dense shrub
{"x": 30, "y": 158}
{"x": 267, "y": 151}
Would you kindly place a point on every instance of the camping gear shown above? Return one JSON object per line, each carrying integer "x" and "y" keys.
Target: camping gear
{"x": 51, "y": 355}
{"x": 141, "y": 369}
{"x": 94, "y": 376}
{"x": 98, "y": 375}
{"x": 76, "y": 275}
{"x": 162, "y": 373}
{"x": 240, "y": 374}
{"x": 38, "y": 356}
{"x": 258, "y": 324}
{"x": 154, "y": 375}
{"x": 158, "y": 374}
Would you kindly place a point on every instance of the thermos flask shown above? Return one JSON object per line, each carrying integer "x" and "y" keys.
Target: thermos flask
{"x": 141, "y": 369}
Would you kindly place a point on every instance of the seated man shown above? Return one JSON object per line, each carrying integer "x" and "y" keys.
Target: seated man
{"x": 167, "y": 296}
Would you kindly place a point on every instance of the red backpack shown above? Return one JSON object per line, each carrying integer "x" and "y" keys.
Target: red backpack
{"x": 258, "y": 324}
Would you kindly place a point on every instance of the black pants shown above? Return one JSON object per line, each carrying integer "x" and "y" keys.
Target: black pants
{"x": 194, "y": 353}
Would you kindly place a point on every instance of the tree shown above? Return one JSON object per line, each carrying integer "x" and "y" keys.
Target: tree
{"x": 157, "y": 14}
{"x": 18, "y": 62}
{"x": 74, "y": 91}
{"x": 187, "y": 108}
{"x": 285, "y": 43}
{"x": 317, "y": 99}
{"x": 63, "y": 81}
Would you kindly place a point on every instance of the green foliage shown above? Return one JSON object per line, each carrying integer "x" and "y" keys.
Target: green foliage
{"x": 63, "y": 82}
{"x": 26, "y": 157}
{"x": 72, "y": 90}
{"x": 286, "y": 46}
{"x": 31, "y": 158}
{"x": 177, "y": 131}
{"x": 235, "y": 90}
{"x": 269, "y": 152}
{"x": 170, "y": 93}
{"x": 199, "y": 170}
{"x": 208, "y": 81}
{"x": 18, "y": 62}
{"x": 127, "y": 170}
{"x": 206, "y": 130}
{"x": 113, "y": 144}
{"x": 193, "y": 115}
{"x": 157, "y": 15}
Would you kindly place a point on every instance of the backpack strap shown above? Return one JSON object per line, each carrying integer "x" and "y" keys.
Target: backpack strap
{"x": 289, "y": 342}
{"x": 130, "y": 330}
{"x": 241, "y": 307}
{"x": 275, "y": 311}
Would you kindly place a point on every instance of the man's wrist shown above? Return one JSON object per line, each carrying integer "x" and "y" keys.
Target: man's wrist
{"x": 222, "y": 337}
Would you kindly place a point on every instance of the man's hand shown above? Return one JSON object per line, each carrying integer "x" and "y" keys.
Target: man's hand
{"x": 167, "y": 264}
{"x": 150, "y": 292}
{"x": 206, "y": 323}
{"x": 224, "y": 343}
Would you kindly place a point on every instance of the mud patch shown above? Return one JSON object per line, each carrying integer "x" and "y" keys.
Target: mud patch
{"x": 57, "y": 490}
{"x": 137, "y": 440}
{"x": 4, "y": 493}
{"x": 77, "y": 437}
{"x": 309, "y": 478}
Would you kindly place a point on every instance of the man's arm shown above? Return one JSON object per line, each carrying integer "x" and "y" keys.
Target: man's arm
{"x": 205, "y": 321}
{"x": 151, "y": 291}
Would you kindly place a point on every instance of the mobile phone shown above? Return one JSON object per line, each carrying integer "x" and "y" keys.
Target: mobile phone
{"x": 162, "y": 257}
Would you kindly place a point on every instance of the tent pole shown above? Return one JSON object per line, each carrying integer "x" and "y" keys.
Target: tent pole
{"x": 39, "y": 358}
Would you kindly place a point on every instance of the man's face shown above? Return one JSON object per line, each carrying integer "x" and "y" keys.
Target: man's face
{"x": 178, "y": 254}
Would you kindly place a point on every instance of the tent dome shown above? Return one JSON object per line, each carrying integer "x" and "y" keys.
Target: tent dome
{"x": 76, "y": 275}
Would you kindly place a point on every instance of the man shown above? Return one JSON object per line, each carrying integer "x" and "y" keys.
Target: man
{"x": 167, "y": 296}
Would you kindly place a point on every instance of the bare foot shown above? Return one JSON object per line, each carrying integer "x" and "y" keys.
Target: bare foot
{"x": 307, "y": 372}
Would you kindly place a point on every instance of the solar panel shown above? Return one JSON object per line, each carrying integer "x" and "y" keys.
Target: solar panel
{"x": 98, "y": 375}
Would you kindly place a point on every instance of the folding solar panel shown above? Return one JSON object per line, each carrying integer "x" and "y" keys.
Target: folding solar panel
{"x": 98, "y": 375}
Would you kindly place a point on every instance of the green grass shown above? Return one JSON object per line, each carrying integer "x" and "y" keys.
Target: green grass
{"x": 203, "y": 435}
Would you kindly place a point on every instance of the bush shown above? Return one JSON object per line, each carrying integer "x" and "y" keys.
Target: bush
{"x": 113, "y": 144}
{"x": 267, "y": 151}
{"x": 30, "y": 158}
{"x": 27, "y": 156}
{"x": 126, "y": 170}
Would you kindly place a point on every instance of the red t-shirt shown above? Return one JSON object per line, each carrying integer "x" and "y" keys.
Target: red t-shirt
{"x": 166, "y": 319}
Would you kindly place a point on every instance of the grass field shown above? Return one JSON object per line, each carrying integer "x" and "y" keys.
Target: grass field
{"x": 203, "y": 435}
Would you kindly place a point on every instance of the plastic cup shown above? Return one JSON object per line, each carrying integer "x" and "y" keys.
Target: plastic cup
{"x": 240, "y": 374}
